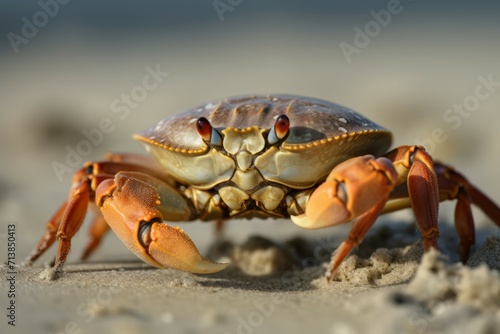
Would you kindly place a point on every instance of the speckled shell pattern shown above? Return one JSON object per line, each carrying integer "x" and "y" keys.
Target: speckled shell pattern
{"x": 310, "y": 120}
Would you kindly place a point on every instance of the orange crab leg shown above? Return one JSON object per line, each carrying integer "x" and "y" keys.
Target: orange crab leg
{"x": 360, "y": 227}
{"x": 71, "y": 221}
{"x": 357, "y": 188}
{"x": 423, "y": 192}
{"x": 424, "y": 195}
{"x": 48, "y": 237}
{"x": 417, "y": 187}
{"x": 452, "y": 185}
{"x": 360, "y": 188}
{"x": 460, "y": 183}
{"x": 97, "y": 230}
{"x": 69, "y": 217}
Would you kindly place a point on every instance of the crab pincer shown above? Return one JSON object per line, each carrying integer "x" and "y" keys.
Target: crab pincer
{"x": 133, "y": 209}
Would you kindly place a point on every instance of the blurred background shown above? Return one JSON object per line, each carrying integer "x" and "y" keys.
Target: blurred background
{"x": 65, "y": 66}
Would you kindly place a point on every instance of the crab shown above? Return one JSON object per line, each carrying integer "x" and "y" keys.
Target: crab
{"x": 316, "y": 162}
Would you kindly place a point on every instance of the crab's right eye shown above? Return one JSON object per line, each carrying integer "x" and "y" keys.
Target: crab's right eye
{"x": 280, "y": 129}
{"x": 207, "y": 132}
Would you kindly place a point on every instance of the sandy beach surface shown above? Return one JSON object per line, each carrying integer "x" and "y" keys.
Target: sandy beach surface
{"x": 266, "y": 291}
{"x": 430, "y": 74}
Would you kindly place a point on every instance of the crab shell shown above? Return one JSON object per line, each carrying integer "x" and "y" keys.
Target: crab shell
{"x": 321, "y": 135}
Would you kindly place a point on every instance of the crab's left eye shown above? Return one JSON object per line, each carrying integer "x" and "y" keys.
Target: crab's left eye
{"x": 280, "y": 129}
{"x": 207, "y": 132}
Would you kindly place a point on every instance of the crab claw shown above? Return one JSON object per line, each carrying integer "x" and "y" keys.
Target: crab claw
{"x": 170, "y": 247}
{"x": 132, "y": 208}
{"x": 352, "y": 189}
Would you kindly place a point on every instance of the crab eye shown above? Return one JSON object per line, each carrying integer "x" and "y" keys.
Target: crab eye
{"x": 207, "y": 132}
{"x": 280, "y": 129}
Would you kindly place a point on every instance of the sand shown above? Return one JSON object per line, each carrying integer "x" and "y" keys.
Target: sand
{"x": 64, "y": 82}
{"x": 272, "y": 287}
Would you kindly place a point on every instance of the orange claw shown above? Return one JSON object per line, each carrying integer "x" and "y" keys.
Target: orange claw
{"x": 352, "y": 189}
{"x": 171, "y": 247}
{"x": 132, "y": 207}
{"x": 356, "y": 188}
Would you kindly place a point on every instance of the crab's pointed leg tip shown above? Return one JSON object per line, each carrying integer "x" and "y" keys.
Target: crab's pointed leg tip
{"x": 50, "y": 274}
{"x": 328, "y": 277}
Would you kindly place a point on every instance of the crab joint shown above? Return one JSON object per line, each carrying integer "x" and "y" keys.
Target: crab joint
{"x": 144, "y": 236}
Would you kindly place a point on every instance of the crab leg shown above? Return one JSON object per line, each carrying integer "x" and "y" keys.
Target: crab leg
{"x": 359, "y": 228}
{"x": 453, "y": 185}
{"x": 415, "y": 166}
{"x": 71, "y": 222}
{"x": 97, "y": 230}
{"x": 133, "y": 204}
{"x": 357, "y": 188}
{"x": 48, "y": 237}
{"x": 360, "y": 188}
{"x": 66, "y": 221}
{"x": 69, "y": 217}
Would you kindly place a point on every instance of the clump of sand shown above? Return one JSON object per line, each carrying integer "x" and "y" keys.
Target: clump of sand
{"x": 258, "y": 256}
{"x": 437, "y": 281}
{"x": 383, "y": 267}
{"x": 431, "y": 278}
